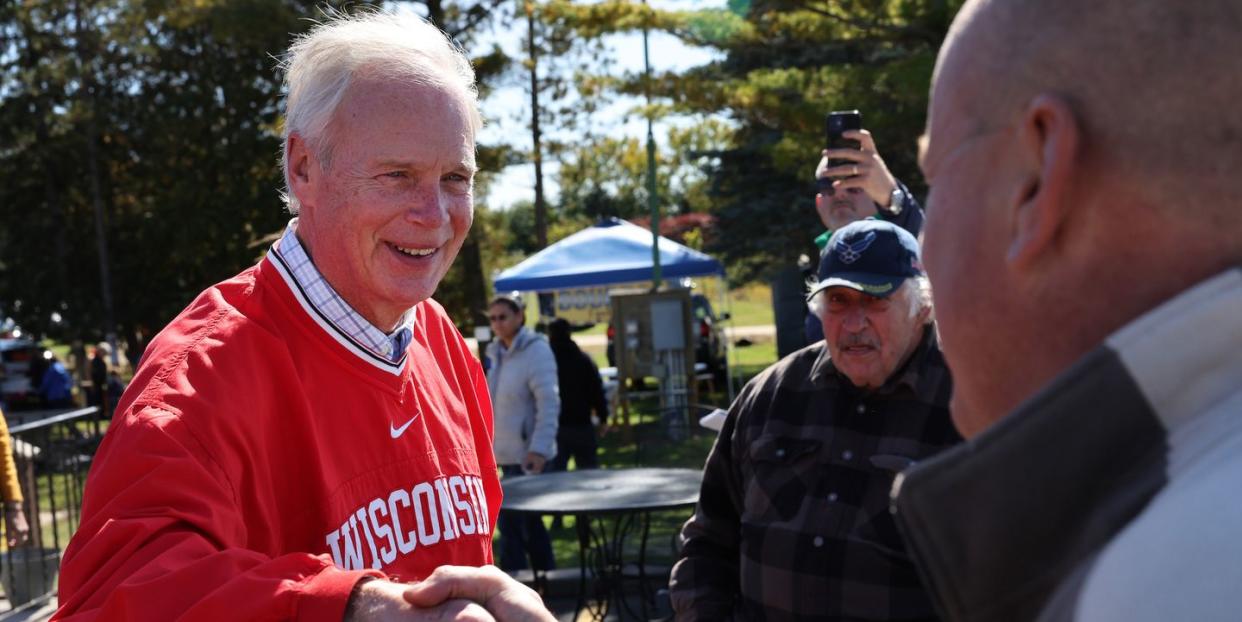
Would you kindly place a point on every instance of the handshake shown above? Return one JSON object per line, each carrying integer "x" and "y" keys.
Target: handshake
{"x": 460, "y": 593}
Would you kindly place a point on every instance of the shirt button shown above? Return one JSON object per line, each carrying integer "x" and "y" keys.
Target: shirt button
{"x": 862, "y": 409}
{"x": 387, "y": 349}
{"x": 847, "y": 454}
{"x": 818, "y": 541}
{"x": 780, "y": 453}
{"x": 832, "y": 497}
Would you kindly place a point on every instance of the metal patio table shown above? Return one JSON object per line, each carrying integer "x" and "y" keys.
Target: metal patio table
{"x": 609, "y": 506}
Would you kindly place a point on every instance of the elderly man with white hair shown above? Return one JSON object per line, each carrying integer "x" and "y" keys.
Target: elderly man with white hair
{"x": 792, "y": 521}
{"x": 313, "y": 431}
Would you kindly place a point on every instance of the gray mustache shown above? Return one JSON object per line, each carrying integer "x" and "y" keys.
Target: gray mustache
{"x": 849, "y": 341}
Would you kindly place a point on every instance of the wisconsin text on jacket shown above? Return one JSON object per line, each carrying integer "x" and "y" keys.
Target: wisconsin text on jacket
{"x": 444, "y": 509}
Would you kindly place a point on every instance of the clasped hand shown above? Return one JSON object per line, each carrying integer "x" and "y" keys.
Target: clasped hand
{"x": 457, "y": 593}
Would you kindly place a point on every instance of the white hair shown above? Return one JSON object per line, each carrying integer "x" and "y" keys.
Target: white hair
{"x": 915, "y": 292}
{"x": 321, "y": 64}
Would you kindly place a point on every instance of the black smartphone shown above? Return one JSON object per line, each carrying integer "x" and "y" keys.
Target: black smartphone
{"x": 838, "y": 122}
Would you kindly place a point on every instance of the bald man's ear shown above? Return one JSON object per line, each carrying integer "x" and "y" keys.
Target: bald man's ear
{"x": 303, "y": 169}
{"x": 1048, "y": 135}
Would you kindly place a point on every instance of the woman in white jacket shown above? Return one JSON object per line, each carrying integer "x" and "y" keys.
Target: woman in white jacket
{"x": 521, "y": 376}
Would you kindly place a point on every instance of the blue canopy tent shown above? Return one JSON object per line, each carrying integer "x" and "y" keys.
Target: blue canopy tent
{"x": 613, "y": 251}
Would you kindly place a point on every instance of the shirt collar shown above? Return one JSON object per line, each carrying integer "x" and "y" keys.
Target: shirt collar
{"x": 330, "y": 304}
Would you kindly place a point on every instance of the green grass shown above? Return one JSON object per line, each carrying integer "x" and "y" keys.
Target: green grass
{"x": 61, "y": 350}
{"x": 749, "y": 305}
{"x": 746, "y": 358}
{"x": 63, "y": 490}
{"x": 597, "y": 329}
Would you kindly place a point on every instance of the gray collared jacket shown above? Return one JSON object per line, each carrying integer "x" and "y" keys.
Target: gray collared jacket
{"x": 525, "y": 397}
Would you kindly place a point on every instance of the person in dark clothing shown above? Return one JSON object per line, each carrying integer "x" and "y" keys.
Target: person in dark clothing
{"x": 792, "y": 522}
{"x": 99, "y": 375}
{"x": 582, "y": 392}
{"x": 114, "y": 389}
{"x": 56, "y": 387}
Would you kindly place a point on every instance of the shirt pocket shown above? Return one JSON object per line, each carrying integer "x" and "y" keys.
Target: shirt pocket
{"x": 875, "y": 525}
{"x": 785, "y": 472}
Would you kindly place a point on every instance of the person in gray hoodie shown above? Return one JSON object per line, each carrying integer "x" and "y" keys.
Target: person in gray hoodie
{"x": 521, "y": 376}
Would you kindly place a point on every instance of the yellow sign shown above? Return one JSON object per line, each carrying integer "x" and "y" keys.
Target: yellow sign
{"x": 587, "y": 305}
{"x": 584, "y": 305}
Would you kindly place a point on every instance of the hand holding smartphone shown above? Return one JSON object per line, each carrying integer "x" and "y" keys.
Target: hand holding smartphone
{"x": 838, "y": 123}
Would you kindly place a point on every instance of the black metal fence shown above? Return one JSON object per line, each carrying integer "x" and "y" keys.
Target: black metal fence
{"x": 53, "y": 451}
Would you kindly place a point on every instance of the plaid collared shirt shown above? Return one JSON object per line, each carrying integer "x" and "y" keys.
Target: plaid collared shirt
{"x": 334, "y": 308}
{"x": 793, "y": 519}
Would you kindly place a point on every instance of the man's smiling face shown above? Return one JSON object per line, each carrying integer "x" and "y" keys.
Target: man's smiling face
{"x": 386, "y": 211}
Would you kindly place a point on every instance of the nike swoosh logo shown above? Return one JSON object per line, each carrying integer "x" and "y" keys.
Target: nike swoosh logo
{"x": 396, "y": 432}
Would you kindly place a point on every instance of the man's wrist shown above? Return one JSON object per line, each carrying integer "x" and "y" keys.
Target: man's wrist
{"x": 896, "y": 201}
{"x": 355, "y": 605}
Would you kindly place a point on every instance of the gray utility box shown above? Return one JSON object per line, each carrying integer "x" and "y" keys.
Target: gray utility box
{"x": 653, "y": 338}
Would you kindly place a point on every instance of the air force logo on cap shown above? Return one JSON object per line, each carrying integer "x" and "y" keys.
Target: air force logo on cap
{"x": 871, "y": 256}
{"x": 849, "y": 252}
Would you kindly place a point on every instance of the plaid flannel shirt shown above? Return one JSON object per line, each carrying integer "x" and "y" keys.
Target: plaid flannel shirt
{"x": 793, "y": 519}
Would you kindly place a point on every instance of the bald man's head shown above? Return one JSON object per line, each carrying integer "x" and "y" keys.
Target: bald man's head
{"x": 1082, "y": 159}
{"x": 1154, "y": 84}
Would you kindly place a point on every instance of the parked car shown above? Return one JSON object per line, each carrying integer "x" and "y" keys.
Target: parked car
{"x": 20, "y": 372}
{"x": 709, "y": 337}
{"x": 710, "y": 344}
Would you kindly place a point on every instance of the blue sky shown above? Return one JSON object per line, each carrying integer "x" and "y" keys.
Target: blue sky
{"x": 507, "y": 108}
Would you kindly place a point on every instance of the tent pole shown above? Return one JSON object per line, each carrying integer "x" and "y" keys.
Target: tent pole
{"x": 727, "y": 304}
{"x": 653, "y": 202}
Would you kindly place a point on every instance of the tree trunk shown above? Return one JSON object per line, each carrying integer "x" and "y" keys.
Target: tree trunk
{"x": 90, "y": 97}
{"x": 541, "y": 207}
{"x": 435, "y": 13}
{"x": 476, "y": 286}
{"x": 789, "y": 307}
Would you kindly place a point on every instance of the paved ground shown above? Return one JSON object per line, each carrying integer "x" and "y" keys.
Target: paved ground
{"x": 34, "y": 613}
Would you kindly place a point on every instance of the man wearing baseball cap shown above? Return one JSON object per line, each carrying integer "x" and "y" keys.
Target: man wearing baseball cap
{"x": 793, "y": 520}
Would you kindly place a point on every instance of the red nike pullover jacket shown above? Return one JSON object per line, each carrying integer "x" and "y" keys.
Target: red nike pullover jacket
{"x": 260, "y": 463}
